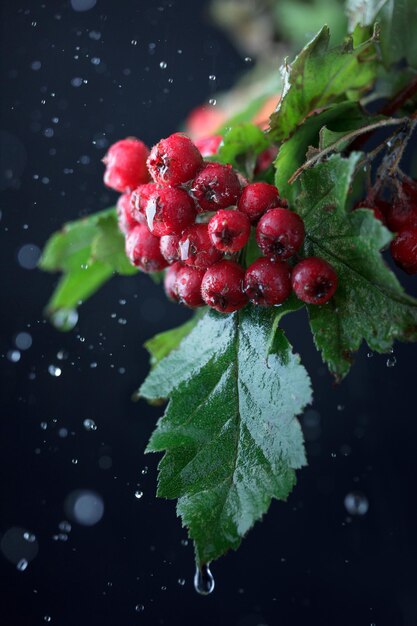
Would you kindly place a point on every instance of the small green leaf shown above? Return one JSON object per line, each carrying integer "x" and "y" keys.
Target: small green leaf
{"x": 163, "y": 343}
{"x": 319, "y": 77}
{"x": 230, "y": 431}
{"x": 77, "y": 285}
{"x": 370, "y": 304}
{"x": 240, "y": 147}
{"x": 108, "y": 246}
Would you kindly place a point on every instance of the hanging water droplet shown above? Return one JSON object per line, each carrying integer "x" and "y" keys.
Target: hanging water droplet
{"x": 391, "y": 361}
{"x": 138, "y": 494}
{"x": 356, "y": 503}
{"x": 163, "y": 65}
{"x": 64, "y": 319}
{"x": 22, "y": 565}
{"x": 89, "y": 424}
{"x": 203, "y": 580}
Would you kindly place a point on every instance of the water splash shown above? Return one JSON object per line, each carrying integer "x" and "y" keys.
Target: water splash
{"x": 203, "y": 580}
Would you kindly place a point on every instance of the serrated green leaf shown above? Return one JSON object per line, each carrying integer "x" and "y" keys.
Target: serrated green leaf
{"x": 241, "y": 145}
{"x": 319, "y": 77}
{"x": 230, "y": 431}
{"x": 398, "y": 23}
{"x": 370, "y": 304}
{"x": 108, "y": 246}
{"x": 162, "y": 344}
{"x": 76, "y": 286}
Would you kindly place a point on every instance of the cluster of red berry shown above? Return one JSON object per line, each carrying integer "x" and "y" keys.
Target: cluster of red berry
{"x": 400, "y": 216}
{"x": 196, "y": 217}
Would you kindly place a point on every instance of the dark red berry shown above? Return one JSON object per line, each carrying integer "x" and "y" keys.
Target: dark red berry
{"x": 265, "y": 159}
{"x": 208, "y": 145}
{"x": 168, "y": 211}
{"x": 125, "y": 219}
{"x": 196, "y": 247}
{"x": 126, "y": 165}
{"x": 229, "y": 230}
{"x": 222, "y": 287}
{"x": 401, "y": 214}
{"x": 314, "y": 281}
{"x": 170, "y": 247}
{"x": 404, "y": 250}
{"x": 170, "y": 281}
{"x": 174, "y": 160}
{"x": 268, "y": 282}
{"x": 257, "y": 198}
{"x": 142, "y": 248}
{"x": 215, "y": 187}
{"x": 189, "y": 286}
{"x": 280, "y": 233}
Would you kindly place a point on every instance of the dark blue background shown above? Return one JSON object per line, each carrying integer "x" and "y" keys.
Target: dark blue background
{"x": 308, "y": 562}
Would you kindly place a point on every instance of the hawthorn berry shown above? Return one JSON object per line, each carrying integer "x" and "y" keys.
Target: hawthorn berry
{"x": 174, "y": 160}
{"x": 229, "y": 230}
{"x": 265, "y": 159}
{"x": 208, "y": 145}
{"x": 139, "y": 201}
{"x": 215, "y": 187}
{"x": 280, "y": 233}
{"x": 125, "y": 219}
{"x": 170, "y": 248}
{"x": 314, "y": 280}
{"x": 404, "y": 250}
{"x": 170, "y": 281}
{"x": 126, "y": 165}
{"x": 142, "y": 248}
{"x": 168, "y": 210}
{"x": 222, "y": 287}
{"x": 401, "y": 214}
{"x": 267, "y": 282}
{"x": 257, "y": 198}
{"x": 188, "y": 286}
{"x": 196, "y": 247}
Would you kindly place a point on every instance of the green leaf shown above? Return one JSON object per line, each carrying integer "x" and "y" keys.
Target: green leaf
{"x": 240, "y": 147}
{"x": 163, "y": 343}
{"x": 398, "y": 23}
{"x": 230, "y": 431}
{"x": 319, "y": 77}
{"x": 339, "y": 118}
{"x": 370, "y": 304}
{"x": 88, "y": 252}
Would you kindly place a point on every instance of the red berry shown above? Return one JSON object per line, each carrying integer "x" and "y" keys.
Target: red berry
{"x": 208, "y": 145}
{"x": 126, "y": 165}
{"x": 170, "y": 281}
{"x": 314, "y": 281}
{"x": 142, "y": 248}
{"x": 268, "y": 282}
{"x": 280, "y": 233}
{"x": 170, "y": 247}
{"x": 222, "y": 287}
{"x": 379, "y": 207}
{"x": 125, "y": 219}
{"x": 257, "y": 198}
{"x": 168, "y": 210}
{"x": 401, "y": 214}
{"x": 265, "y": 159}
{"x": 139, "y": 201}
{"x": 174, "y": 160}
{"x": 404, "y": 250}
{"x": 216, "y": 187}
{"x": 229, "y": 230}
{"x": 196, "y": 247}
{"x": 189, "y": 286}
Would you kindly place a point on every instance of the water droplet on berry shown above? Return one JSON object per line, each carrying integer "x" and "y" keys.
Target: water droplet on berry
{"x": 203, "y": 580}
{"x": 356, "y": 503}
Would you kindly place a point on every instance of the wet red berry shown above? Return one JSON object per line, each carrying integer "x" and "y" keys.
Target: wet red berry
{"x": 222, "y": 287}
{"x": 139, "y": 200}
{"x": 196, "y": 247}
{"x": 257, "y": 198}
{"x": 168, "y": 211}
{"x": 229, "y": 230}
{"x": 215, "y": 187}
{"x": 170, "y": 248}
{"x": 142, "y": 248}
{"x": 125, "y": 219}
{"x": 404, "y": 250}
{"x": 170, "y": 281}
{"x": 208, "y": 145}
{"x": 188, "y": 285}
{"x": 126, "y": 165}
{"x": 267, "y": 282}
{"x": 280, "y": 233}
{"x": 174, "y": 160}
{"x": 314, "y": 281}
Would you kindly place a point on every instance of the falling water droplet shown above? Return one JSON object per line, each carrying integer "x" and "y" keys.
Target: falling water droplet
{"x": 356, "y": 503}
{"x": 391, "y": 361}
{"x": 203, "y": 580}
{"x": 248, "y": 60}
{"x": 138, "y": 494}
{"x": 163, "y": 65}
{"x": 22, "y": 565}
{"x": 139, "y": 608}
{"x": 212, "y": 77}
{"x": 89, "y": 424}
{"x": 213, "y": 102}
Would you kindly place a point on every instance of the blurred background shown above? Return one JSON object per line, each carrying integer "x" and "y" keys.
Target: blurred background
{"x": 83, "y": 541}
